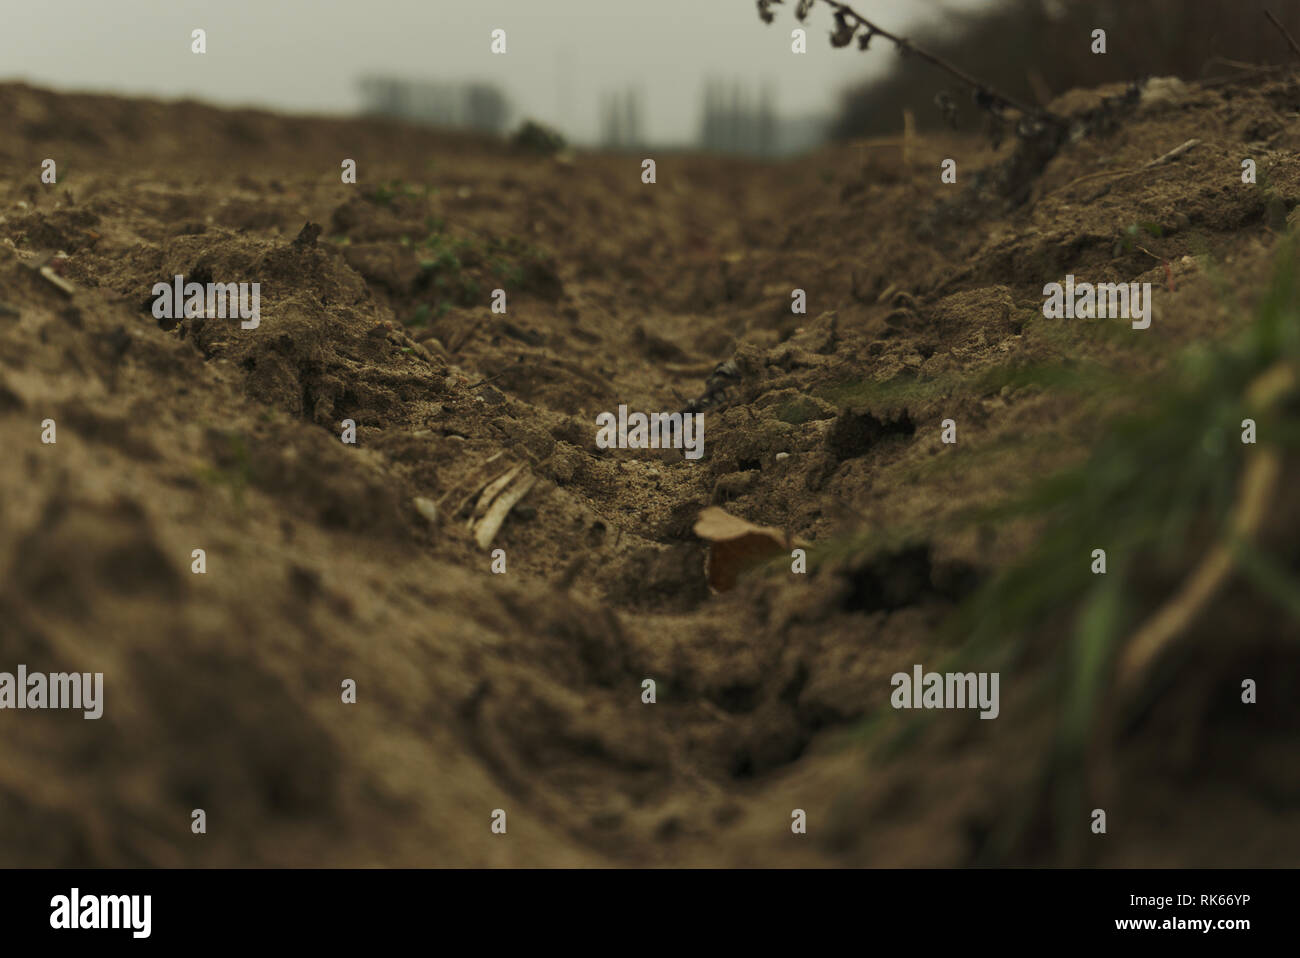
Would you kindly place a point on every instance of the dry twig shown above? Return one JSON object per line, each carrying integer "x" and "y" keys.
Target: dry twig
{"x": 849, "y": 23}
{"x": 1286, "y": 33}
{"x": 1254, "y": 493}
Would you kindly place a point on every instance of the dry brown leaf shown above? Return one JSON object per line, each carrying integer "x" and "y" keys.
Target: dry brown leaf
{"x": 735, "y": 544}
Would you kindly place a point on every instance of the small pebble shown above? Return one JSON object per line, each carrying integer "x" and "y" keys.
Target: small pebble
{"x": 782, "y": 455}
{"x": 427, "y": 508}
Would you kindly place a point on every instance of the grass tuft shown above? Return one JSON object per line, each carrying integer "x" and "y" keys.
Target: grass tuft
{"x": 1157, "y": 493}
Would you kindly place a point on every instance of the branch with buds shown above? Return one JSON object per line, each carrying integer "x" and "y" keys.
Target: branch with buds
{"x": 849, "y": 23}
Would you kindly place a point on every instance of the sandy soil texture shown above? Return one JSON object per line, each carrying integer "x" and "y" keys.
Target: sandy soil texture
{"x": 523, "y": 691}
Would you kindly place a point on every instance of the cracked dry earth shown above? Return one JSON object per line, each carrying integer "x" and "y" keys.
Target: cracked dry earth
{"x": 523, "y": 691}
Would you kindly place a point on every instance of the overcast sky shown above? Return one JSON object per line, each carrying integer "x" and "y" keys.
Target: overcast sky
{"x": 306, "y": 55}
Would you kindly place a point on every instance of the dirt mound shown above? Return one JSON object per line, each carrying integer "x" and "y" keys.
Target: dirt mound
{"x": 524, "y": 691}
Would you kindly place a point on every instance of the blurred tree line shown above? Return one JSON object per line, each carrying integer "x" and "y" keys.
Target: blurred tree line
{"x": 476, "y": 106}
{"x": 620, "y": 119}
{"x": 736, "y": 121}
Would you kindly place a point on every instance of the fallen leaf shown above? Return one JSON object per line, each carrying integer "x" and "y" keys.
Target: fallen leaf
{"x": 735, "y": 544}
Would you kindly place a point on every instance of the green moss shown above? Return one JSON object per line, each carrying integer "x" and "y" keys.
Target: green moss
{"x": 232, "y": 468}
{"x": 901, "y": 389}
{"x": 798, "y": 411}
